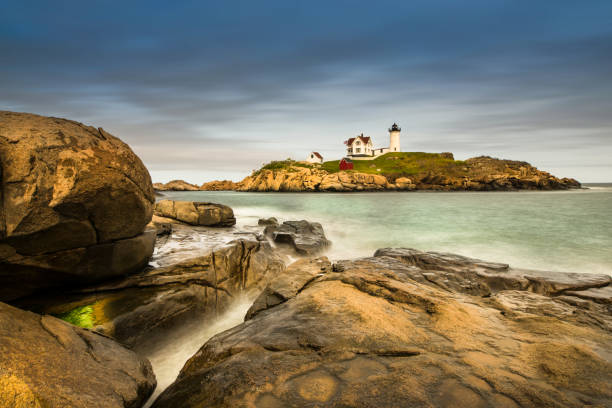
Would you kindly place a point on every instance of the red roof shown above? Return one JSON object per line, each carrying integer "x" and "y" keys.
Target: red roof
{"x": 318, "y": 155}
{"x": 364, "y": 139}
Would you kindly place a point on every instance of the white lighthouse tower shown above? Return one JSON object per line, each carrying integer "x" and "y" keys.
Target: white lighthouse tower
{"x": 394, "y": 138}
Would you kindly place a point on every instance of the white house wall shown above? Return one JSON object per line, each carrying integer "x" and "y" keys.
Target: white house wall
{"x": 312, "y": 158}
{"x": 369, "y": 151}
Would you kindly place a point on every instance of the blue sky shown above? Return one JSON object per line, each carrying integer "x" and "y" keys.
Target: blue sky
{"x": 204, "y": 90}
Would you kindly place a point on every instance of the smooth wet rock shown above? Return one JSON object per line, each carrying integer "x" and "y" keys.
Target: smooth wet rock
{"x": 191, "y": 241}
{"x": 196, "y": 213}
{"x": 267, "y": 221}
{"x": 134, "y": 308}
{"x": 365, "y": 333}
{"x": 474, "y": 276}
{"x": 162, "y": 228}
{"x": 306, "y": 238}
{"x": 45, "y": 362}
{"x": 598, "y": 295}
{"x": 70, "y": 192}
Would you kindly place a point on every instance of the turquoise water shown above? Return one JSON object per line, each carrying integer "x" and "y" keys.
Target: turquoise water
{"x": 560, "y": 231}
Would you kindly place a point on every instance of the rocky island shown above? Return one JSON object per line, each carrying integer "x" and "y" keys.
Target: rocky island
{"x": 392, "y": 172}
{"x": 94, "y": 274}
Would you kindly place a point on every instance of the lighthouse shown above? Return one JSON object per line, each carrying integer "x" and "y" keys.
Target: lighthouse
{"x": 394, "y": 138}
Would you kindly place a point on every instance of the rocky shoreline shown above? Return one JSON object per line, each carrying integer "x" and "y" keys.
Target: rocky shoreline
{"x": 409, "y": 328}
{"x": 476, "y": 174}
{"x": 93, "y": 272}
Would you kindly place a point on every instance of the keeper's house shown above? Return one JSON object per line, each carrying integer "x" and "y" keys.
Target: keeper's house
{"x": 361, "y": 148}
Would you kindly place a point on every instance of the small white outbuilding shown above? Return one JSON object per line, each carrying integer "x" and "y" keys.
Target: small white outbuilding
{"x": 314, "y": 157}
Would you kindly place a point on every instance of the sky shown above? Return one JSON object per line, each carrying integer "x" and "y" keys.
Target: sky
{"x": 205, "y": 90}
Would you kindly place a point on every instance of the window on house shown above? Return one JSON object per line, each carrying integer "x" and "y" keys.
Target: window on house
{"x": 358, "y": 143}
{"x": 358, "y": 150}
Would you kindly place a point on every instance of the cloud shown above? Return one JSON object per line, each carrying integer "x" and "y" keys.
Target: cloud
{"x": 205, "y": 87}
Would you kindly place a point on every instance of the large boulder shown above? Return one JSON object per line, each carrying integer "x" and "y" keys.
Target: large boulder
{"x": 377, "y": 332}
{"x": 74, "y": 202}
{"x": 45, "y": 362}
{"x": 306, "y": 238}
{"x": 196, "y": 213}
{"x": 135, "y": 308}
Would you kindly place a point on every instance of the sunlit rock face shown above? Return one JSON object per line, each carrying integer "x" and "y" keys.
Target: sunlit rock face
{"x": 74, "y": 203}
{"x": 409, "y": 328}
{"x": 175, "y": 185}
{"x": 404, "y": 172}
{"x": 196, "y": 213}
{"x": 45, "y": 362}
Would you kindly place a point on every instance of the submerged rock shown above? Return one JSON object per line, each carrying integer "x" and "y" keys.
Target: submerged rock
{"x": 45, "y": 362}
{"x": 74, "y": 203}
{"x": 134, "y": 308}
{"x": 267, "y": 221}
{"x": 462, "y": 274}
{"x": 306, "y": 238}
{"x": 383, "y": 331}
{"x": 196, "y": 213}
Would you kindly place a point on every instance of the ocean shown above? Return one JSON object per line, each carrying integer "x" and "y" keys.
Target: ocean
{"x": 568, "y": 231}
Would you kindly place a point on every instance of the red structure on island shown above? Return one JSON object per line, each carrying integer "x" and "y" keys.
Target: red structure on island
{"x": 346, "y": 164}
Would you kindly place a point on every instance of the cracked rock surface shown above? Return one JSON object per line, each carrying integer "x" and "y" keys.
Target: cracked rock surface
{"x": 410, "y": 329}
{"x": 74, "y": 202}
{"x": 45, "y": 362}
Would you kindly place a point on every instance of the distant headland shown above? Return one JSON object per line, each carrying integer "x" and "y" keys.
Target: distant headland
{"x": 369, "y": 168}
{"x": 399, "y": 171}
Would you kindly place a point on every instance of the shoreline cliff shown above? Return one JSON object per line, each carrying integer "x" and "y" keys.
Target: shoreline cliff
{"x": 391, "y": 172}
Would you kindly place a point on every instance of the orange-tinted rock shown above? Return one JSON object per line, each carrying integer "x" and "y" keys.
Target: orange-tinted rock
{"x": 196, "y": 213}
{"x": 45, "y": 362}
{"x": 480, "y": 174}
{"x": 223, "y": 185}
{"x": 175, "y": 185}
{"x": 384, "y": 332}
{"x": 67, "y": 189}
